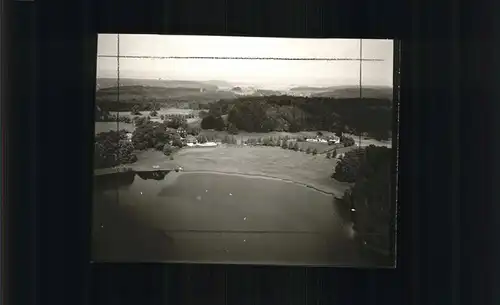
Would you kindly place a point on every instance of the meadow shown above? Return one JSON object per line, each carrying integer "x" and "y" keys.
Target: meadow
{"x": 274, "y": 162}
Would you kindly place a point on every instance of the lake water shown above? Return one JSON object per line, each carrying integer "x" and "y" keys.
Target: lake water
{"x": 216, "y": 218}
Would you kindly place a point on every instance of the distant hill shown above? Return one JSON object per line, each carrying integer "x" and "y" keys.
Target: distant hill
{"x": 309, "y": 89}
{"x": 139, "y": 93}
{"x": 345, "y": 92}
{"x": 219, "y": 83}
{"x": 103, "y": 83}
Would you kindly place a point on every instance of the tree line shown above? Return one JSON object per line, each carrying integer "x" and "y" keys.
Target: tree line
{"x": 292, "y": 114}
{"x": 370, "y": 169}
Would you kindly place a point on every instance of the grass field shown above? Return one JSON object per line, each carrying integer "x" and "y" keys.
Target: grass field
{"x": 107, "y": 126}
{"x": 260, "y": 161}
{"x": 163, "y": 111}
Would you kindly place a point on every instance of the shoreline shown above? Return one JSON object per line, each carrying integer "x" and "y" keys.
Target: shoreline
{"x": 110, "y": 171}
{"x": 261, "y": 176}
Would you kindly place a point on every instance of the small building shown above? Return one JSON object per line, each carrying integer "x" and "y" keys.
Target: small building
{"x": 334, "y": 140}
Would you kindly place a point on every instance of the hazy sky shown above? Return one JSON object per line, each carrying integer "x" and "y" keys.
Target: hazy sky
{"x": 262, "y": 72}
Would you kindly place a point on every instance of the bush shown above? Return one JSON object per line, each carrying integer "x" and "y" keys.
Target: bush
{"x": 315, "y": 151}
{"x": 347, "y": 141}
{"x": 231, "y": 129}
{"x": 159, "y": 146}
{"x": 308, "y": 150}
{"x": 176, "y": 122}
{"x": 168, "y": 149}
{"x": 201, "y": 139}
{"x": 296, "y": 147}
{"x": 135, "y": 110}
{"x": 328, "y": 155}
{"x": 334, "y": 153}
{"x": 290, "y": 146}
{"x": 177, "y": 142}
{"x": 348, "y": 166}
{"x": 140, "y": 121}
{"x": 162, "y": 117}
{"x": 153, "y": 113}
{"x": 193, "y": 131}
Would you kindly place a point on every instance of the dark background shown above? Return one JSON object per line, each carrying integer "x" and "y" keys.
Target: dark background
{"x": 446, "y": 243}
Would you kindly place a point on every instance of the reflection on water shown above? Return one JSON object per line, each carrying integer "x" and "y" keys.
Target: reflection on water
{"x": 155, "y": 175}
{"x": 121, "y": 180}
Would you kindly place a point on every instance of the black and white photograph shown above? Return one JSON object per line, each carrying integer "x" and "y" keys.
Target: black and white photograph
{"x": 245, "y": 150}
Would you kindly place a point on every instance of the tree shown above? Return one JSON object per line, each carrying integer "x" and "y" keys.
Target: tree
{"x": 135, "y": 110}
{"x": 153, "y": 113}
{"x": 176, "y": 121}
{"x": 202, "y": 114}
{"x": 168, "y": 149}
{"x": 347, "y": 141}
{"x": 370, "y": 196}
{"x": 112, "y": 148}
{"x": 194, "y": 131}
{"x": 339, "y": 131}
{"x": 212, "y": 122}
{"x": 140, "y": 120}
{"x": 334, "y": 153}
{"x": 162, "y": 117}
{"x": 201, "y": 139}
{"x": 177, "y": 142}
{"x": 319, "y": 133}
{"x": 232, "y": 129}
{"x": 347, "y": 168}
{"x": 159, "y": 146}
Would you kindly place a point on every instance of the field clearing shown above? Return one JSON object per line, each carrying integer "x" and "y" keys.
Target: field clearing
{"x": 243, "y": 136}
{"x": 260, "y": 161}
{"x": 162, "y": 111}
{"x": 107, "y": 126}
{"x": 320, "y": 147}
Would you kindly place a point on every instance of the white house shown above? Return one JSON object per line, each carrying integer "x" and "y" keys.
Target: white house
{"x": 317, "y": 140}
{"x": 207, "y": 144}
{"x": 334, "y": 140}
{"x": 129, "y": 136}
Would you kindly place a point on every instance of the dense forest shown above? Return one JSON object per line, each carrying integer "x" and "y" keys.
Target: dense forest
{"x": 112, "y": 148}
{"x": 370, "y": 197}
{"x": 293, "y": 114}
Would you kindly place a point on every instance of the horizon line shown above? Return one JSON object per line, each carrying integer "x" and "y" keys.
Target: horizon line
{"x": 235, "y": 83}
{"x": 243, "y": 58}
